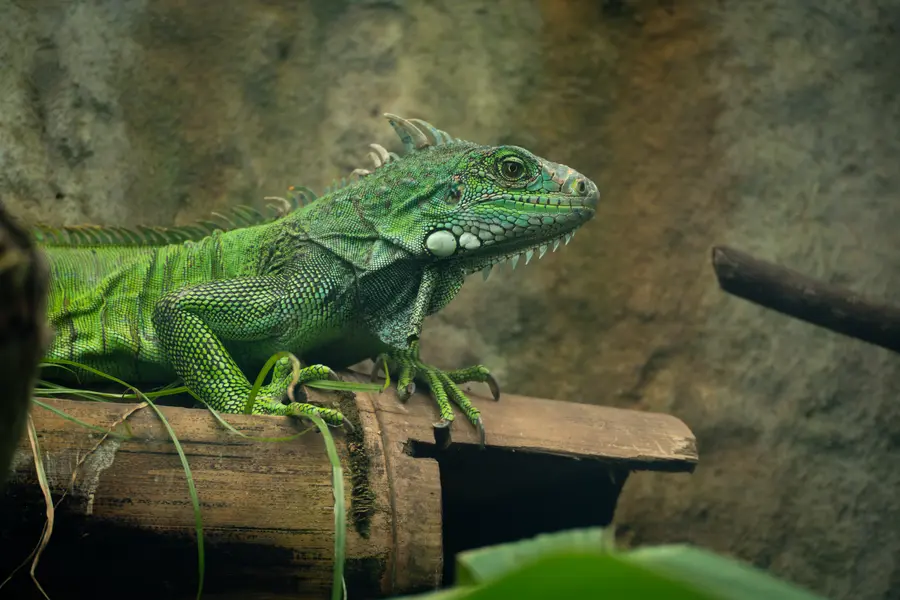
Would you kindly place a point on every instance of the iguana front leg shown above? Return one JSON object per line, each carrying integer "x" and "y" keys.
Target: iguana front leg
{"x": 437, "y": 287}
{"x": 190, "y": 324}
{"x": 443, "y": 385}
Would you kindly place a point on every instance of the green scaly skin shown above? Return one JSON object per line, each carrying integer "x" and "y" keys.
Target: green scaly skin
{"x": 349, "y": 276}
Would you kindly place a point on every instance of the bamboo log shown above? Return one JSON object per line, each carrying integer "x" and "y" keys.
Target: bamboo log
{"x": 267, "y": 507}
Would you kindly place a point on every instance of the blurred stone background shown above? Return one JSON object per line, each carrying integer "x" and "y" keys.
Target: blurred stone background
{"x": 770, "y": 126}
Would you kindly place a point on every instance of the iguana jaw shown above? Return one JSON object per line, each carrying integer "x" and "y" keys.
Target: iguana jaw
{"x": 541, "y": 226}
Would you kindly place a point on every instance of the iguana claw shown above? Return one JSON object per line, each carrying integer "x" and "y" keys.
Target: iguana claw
{"x": 403, "y": 393}
{"x": 286, "y": 376}
{"x": 443, "y": 385}
{"x": 442, "y": 438}
{"x": 495, "y": 387}
{"x": 376, "y": 366}
{"x": 480, "y": 426}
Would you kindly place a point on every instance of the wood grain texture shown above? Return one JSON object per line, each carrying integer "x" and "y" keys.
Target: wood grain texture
{"x": 632, "y": 439}
{"x": 267, "y": 507}
{"x": 413, "y": 487}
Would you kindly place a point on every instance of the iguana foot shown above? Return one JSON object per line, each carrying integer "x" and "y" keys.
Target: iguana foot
{"x": 286, "y": 375}
{"x": 443, "y": 385}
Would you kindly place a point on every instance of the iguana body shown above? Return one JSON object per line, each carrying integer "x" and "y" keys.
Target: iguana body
{"x": 349, "y": 276}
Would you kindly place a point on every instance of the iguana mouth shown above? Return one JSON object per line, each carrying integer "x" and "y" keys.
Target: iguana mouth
{"x": 544, "y": 204}
{"x": 546, "y": 221}
{"x": 527, "y": 253}
{"x": 535, "y": 233}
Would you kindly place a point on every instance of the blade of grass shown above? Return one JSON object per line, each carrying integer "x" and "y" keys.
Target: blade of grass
{"x": 387, "y": 373}
{"x": 46, "y": 388}
{"x": 24, "y": 560}
{"x": 350, "y": 386}
{"x": 60, "y": 390}
{"x": 192, "y": 491}
{"x": 323, "y": 384}
{"x": 231, "y": 428}
{"x": 157, "y": 394}
{"x": 72, "y": 363}
{"x": 340, "y": 517}
{"x": 48, "y": 500}
{"x": 251, "y": 399}
{"x": 338, "y": 587}
{"x": 72, "y": 419}
{"x": 39, "y": 468}
{"x": 50, "y": 365}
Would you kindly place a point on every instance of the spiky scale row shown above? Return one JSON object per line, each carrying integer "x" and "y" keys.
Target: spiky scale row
{"x": 413, "y": 139}
{"x": 233, "y": 218}
{"x": 528, "y": 254}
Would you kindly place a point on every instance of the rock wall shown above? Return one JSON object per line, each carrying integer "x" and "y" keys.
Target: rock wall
{"x": 770, "y": 126}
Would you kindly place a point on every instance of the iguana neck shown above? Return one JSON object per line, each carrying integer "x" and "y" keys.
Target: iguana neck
{"x": 338, "y": 223}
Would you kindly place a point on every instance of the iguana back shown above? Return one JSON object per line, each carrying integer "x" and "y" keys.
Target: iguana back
{"x": 102, "y": 296}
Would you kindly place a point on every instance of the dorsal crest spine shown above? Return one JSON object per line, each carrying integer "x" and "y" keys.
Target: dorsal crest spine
{"x": 144, "y": 235}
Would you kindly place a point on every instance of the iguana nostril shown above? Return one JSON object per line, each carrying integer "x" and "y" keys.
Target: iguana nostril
{"x": 582, "y": 186}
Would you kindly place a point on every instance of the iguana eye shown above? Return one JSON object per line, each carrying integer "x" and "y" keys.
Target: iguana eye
{"x": 512, "y": 168}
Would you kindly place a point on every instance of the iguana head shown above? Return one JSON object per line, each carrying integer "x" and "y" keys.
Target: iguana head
{"x": 451, "y": 200}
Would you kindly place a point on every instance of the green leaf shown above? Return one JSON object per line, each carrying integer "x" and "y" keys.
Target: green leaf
{"x": 720, "y": 576}
{"x": 583, "y": 564}
{"x": 483, "y": 564}
{"x": 456, "y": 593}
{"x": 585, "y": 574}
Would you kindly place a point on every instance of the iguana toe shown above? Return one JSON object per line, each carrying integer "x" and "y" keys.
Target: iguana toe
{"x": 287, "y": 374}
{"x": 406, "y": 387}
{"x": 302, "y": 409}
{"x": 476, "y": 374}
{"x": 444, "y": 389}
{"x": 300, "y": 375}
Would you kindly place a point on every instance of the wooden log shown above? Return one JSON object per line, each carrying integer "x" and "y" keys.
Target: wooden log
{"x": 796, "y": 295}
{"x": 267, "y": 507}
{"x": 23, "y": 330}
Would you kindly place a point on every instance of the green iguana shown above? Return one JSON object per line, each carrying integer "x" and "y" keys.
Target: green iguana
{"x": 334, "y": 280}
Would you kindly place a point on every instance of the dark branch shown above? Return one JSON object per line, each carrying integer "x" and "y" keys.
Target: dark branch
{"x": 23, "y": 332}
{"x": 807, "y": 299}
